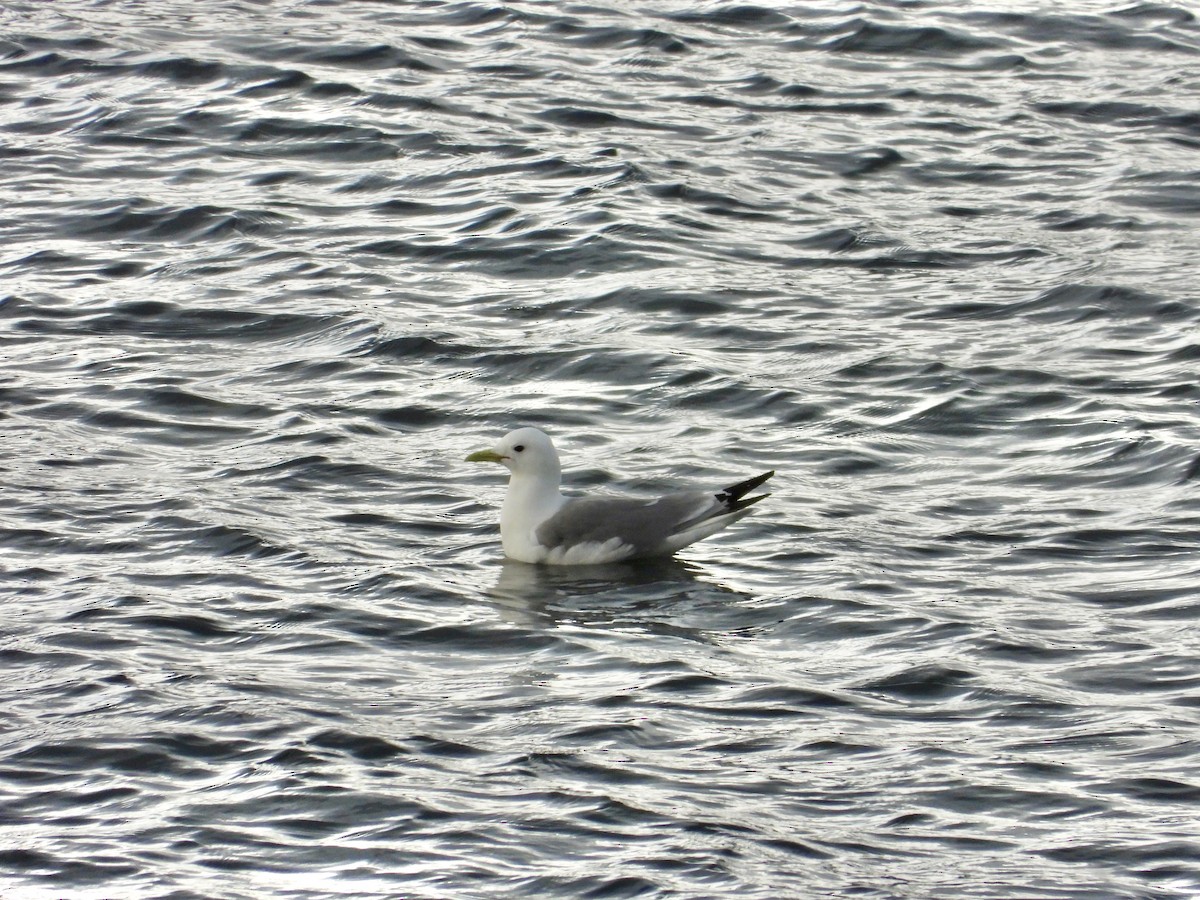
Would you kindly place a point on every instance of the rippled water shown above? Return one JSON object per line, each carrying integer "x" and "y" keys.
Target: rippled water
{"x": 270, "y": 270}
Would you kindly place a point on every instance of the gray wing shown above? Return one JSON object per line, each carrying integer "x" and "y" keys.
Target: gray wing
{"x": 644, "y": 525}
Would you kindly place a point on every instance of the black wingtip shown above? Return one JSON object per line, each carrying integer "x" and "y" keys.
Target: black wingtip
{"x": 736, "y": 492}
{"x": 749, "y": 501}
{"x": 732, "y": 495}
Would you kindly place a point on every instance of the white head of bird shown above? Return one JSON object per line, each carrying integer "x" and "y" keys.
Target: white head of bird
{"x": 526, "y": 452}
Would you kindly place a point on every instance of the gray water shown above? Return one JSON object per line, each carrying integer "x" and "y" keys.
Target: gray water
{"x": 269, "y": 271}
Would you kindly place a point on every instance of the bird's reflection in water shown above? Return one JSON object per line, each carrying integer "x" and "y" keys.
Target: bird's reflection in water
{"x": 529, "y": 594}
{"x": 522, "y": 580}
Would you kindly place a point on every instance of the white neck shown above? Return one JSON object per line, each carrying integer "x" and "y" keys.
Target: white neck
{"x": 531, "y": 500}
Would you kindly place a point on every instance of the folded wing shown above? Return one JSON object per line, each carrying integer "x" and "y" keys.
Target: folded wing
{"x": 622, "y": 528}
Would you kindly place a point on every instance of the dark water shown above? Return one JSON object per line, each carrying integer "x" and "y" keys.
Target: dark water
{"x": 270, "y": 270}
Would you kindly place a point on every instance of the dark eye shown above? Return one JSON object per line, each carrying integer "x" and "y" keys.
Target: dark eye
{"x": 519, "y": 447}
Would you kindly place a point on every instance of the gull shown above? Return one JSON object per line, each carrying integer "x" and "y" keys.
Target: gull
{"x": 539, "y": 525}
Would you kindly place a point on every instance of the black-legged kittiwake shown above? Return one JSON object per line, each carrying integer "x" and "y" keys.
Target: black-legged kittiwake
{"x": 539, "y": 525}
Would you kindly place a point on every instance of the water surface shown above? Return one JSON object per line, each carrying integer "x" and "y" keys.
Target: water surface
{"x": 268, "y": 271}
